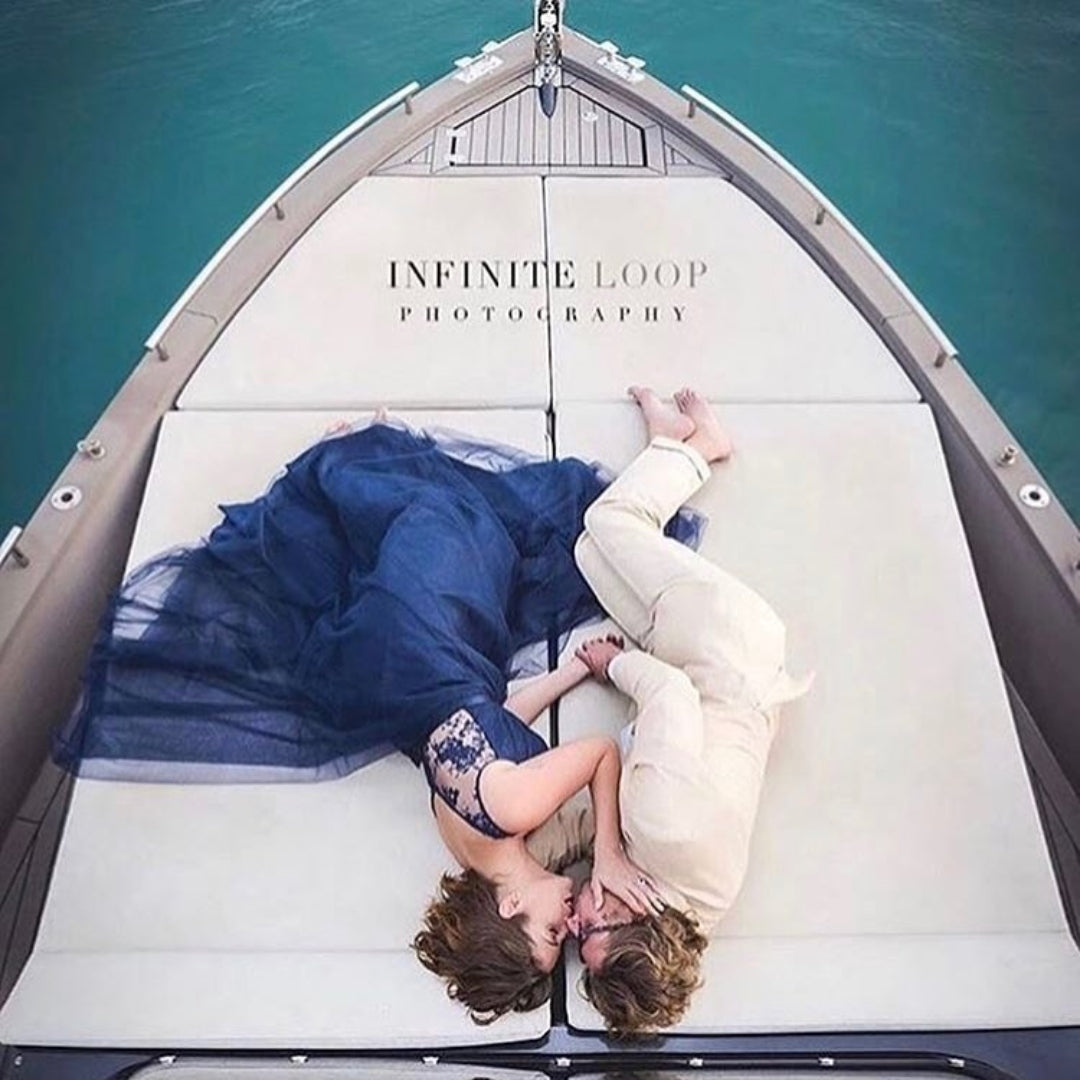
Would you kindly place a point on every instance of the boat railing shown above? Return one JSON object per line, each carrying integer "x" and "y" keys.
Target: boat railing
{"x": 825, "y": 207}
{"x": 9, "y": 547}
{"x": 273, "y": 200}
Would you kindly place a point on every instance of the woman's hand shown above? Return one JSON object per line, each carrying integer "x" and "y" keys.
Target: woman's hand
{"x": 597, "y": 653}
{"x": 613, "y": 871}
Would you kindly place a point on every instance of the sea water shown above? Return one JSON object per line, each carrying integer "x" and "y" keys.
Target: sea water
{"x": 135, "y": 135}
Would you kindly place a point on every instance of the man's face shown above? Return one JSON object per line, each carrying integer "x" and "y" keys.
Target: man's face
{"x": 592, "y": 927}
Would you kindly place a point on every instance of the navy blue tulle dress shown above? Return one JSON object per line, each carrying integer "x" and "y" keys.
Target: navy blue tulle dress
{"x": 387, "y": 580}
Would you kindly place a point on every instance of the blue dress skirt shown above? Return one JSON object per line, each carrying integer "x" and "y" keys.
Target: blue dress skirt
{"x": 387, "y": 579}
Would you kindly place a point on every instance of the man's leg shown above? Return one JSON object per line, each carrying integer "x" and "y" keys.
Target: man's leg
{"x": 623, "y": 553}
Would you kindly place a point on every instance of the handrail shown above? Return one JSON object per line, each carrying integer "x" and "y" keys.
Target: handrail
{"x": 290, "y": 181}
{"x": 740, "y": 129}
{"x": 8, "y": 547}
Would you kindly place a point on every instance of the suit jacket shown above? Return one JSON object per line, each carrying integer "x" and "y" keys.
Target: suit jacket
{"x": 695, "y": 752}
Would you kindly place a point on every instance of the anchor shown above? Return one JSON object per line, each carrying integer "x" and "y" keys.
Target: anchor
{"x": 547, "y": 31}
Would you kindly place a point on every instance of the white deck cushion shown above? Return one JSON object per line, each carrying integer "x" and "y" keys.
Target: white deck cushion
{"x": 898, "y": 876}
{"x": 760, "y": 322}
{"x": 325, "y": 329}
{"x": 247, "y": 915}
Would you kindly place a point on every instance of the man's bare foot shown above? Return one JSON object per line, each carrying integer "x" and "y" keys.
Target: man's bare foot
{"x": 662, "y": 419}
{"x": 709, "y": 437}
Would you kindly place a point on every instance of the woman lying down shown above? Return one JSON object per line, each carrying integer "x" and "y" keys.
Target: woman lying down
{"x": 378, "y": 597}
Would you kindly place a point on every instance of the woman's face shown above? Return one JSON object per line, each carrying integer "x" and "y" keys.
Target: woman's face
{"x": 547, "y": 903}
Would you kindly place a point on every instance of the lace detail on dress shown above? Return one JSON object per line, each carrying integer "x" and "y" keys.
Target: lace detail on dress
{"x": 454, "y": 756}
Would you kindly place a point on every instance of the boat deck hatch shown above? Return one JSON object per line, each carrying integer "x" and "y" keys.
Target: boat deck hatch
{"x": 592, "y": 132}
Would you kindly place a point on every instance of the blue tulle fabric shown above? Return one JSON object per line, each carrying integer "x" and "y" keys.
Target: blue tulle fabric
{"x": 387, "y": 579}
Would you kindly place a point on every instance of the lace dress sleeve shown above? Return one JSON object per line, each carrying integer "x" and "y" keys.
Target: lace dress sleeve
{"x": 454, "y": 756}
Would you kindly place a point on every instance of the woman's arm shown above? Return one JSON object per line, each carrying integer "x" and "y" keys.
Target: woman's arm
{"x": 520, "y": 797}
{"x": 533, "y": 698}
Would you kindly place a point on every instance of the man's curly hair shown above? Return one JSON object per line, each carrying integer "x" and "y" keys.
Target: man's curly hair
{"x": 651, "y": 968}
{"x": 486, "y": 960}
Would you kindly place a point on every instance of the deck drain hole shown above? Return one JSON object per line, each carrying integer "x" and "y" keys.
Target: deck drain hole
{"x": 66, "y": 498}
{"x": 1035, "y": 496}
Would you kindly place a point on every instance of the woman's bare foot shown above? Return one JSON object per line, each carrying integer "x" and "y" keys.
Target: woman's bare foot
{"x": 709, "y": 437}
{"x": 662, "y": 419}
{"x": 338, "y": 427}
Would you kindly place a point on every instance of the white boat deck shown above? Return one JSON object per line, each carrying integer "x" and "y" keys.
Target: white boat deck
{"x": 899, "y": 877}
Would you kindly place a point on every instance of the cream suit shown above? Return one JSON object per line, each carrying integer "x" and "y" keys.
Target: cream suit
{"x": 707, "y": 684}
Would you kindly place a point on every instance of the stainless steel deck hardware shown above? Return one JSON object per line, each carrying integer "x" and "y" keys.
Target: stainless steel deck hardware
{"x": 692, "y": 108}
{"x": 10, "y": 547}
{"x": 91, "y": 448}
{"x": 278, "y": 212}
{"x": 299, "y": 1059}
{"x": 627, "y": 68}
{"x": 1038, "y": 498}
{"x": 819, "y": 217}
{"x": 563, "y": 1063}
{"x": 430, "y": 1060}
{"x": 826, "y": 1062}
{"x": 167, "y": 1059}
{"x": 958, "y": 1063}
{"x": 408, "y": 104}
{"x": 1008, "y": 456}
{"x": 939, "y": 360}
{"x": 162, "y": 352}
{"x": 696, "y": 1063}
{"x": 547, "y": 51}
{"x": 66, "y": 498}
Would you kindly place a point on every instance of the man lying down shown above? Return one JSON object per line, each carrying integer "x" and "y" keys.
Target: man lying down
{"x": 706, "y": 684}
{"x": 379, "y": 596}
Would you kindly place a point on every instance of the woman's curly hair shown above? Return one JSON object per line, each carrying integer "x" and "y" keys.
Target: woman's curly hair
{"x": 486, "y": 960}
{"x": 651, "y": 968}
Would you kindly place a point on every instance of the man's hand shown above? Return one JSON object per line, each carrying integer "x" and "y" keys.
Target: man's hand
{"x": 613, "y": 871}
{"x": 597, "y": 653}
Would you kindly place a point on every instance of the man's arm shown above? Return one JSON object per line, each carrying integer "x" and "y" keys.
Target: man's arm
{"x": 668, "y": 705}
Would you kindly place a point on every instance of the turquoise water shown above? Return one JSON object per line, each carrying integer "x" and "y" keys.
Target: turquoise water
{"x": 135, "y": 135}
